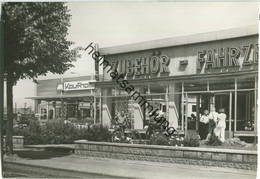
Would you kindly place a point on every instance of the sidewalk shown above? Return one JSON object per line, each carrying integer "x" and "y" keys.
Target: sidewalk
{"x": 136, "y": 169}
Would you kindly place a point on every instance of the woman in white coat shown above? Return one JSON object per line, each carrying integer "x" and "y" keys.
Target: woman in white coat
{"x": 221, "y": 125}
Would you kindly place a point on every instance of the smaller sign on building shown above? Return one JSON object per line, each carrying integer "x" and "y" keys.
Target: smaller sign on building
{"x": 77, "y": 85}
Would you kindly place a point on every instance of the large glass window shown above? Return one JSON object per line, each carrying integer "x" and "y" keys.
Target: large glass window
{"x": 190, "y": 109}
{"x": 246, "y": 83}
{"x": 97, "y": 110}
{"x": 157, "y": 101}
{"x": 245, "y": 111}
{"x": 157, "y": 88}
{"x": 222, "y": 101}
{"x": 71, "y": 110}
{"x": 195, "y": 86}
{"x": 121, "y": 111}
{"x": 43, "y": 113}
{"x": 246, "y": 104}
{"x": 223, "y": 84}
{"x": 43, "y": 108}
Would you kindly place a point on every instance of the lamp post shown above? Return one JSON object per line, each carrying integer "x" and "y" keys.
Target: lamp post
{"x": 1, "y": 82}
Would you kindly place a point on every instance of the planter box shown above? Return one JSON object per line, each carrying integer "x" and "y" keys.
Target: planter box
{"x": 186, "y": 155}
{"x": 18, "y": 141}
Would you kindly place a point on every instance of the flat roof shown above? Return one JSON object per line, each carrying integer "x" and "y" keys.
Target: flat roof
{"x": 178, "y": 78}
{"x": 182, "y": 40}
{"x": 76, "y": 78}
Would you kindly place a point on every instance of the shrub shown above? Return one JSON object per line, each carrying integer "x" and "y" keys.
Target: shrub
{"x": 192, "y": 141}
{"x": 176, "y": 140}
{"x": 214, "y": 141}
{"x": 57, "y": 132}
{"x": 135, "y": 134}
{"x": 159, "y": 139}
{"x": 152, "y": 129}
{"x": 98, "y": 133}
{"x": 32, "y": 133}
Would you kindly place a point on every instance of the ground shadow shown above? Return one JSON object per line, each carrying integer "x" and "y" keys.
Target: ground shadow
{"x": 47, "y": 153}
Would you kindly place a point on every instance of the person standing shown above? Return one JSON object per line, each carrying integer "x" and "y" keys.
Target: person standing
{"x": 213, "y": 114}
{"x": 221, "y": 125}
{"x": 213, "y": 117}
{"x": 121, "y": 117}
{"x": 203, "y": 127}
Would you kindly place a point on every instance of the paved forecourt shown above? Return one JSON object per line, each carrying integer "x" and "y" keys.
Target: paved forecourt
{"x": 134, "y": 169}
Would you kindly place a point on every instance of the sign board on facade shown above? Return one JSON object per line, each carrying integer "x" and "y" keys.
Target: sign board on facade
{"x": 143, "y": 66}
{"x": 77, "y": 85}
{"x": 228, "y": 57}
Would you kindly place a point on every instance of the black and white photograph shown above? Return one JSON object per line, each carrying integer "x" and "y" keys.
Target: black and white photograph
{"x": 129, "y": 89}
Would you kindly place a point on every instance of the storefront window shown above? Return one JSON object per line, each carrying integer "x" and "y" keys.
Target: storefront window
{"x": 224, "y": 84}
{"x": 158, "y": 88}
{"x": 246, "y": 83}
{"x": 58, "y": 112}
{"x": 175, "y": 109}
{"x": 195, "y": 104}
{"x": 157, "y": 101}
{"x": 245, "y": 111}
{"x": 71, "y": 110}
{"x": 190, "y": 110}
{"x": 97, "y": 111}
{"x": 195, "y": 86}
{"x": 222, "y": 101}
{"x": 43, "y": 113}
{"x": 121, "y": 111}
{"x": 43, "y": 110}
{"x": 246, "y": 104}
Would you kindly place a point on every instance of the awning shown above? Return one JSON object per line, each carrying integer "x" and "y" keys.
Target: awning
{"x": 59, "y": 97}
{"x": 180, "y": 78}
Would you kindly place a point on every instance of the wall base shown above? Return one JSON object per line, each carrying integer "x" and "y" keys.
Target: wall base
{"x": 183, "y": 155}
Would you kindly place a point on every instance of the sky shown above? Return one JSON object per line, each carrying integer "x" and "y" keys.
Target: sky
{"x": 114, "y": 23}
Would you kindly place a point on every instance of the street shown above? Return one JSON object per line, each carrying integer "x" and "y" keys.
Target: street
{"x": 73, "y": 166}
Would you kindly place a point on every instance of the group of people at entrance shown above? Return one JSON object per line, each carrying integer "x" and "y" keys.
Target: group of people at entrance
{"x": 213, "y": 124}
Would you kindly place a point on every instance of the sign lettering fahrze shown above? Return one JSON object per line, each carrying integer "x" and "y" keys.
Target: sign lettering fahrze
{"x": 77, "y": 85}
{"x": 228, "y": 57}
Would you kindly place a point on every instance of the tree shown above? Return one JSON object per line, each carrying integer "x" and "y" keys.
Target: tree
{"x": 35, "y": 43}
